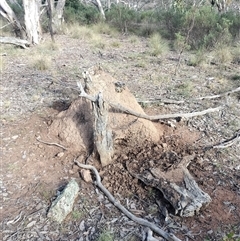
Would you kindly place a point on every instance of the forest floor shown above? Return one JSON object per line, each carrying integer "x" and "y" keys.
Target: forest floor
{"x": 33, "y": 173}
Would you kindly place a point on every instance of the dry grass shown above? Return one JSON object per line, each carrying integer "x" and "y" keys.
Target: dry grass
{"x": 158, "y": 46}
{"x": 103, "y": 28}
{"x": 77, "y": 31}
{"x": 41, "y": 62}
{"x": 222, "y": 54}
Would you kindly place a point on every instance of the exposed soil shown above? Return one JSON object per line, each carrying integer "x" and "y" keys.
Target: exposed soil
{"x": 33, "y": 173}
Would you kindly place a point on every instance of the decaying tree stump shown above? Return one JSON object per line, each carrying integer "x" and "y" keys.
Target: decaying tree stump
{"x": 175, "y": 182}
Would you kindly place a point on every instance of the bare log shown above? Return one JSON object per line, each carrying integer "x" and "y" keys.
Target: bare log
{"x": 141, "y": 221}
{"x": 15, "y": 41}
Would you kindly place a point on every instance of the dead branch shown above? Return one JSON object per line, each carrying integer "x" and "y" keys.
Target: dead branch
{"x": 167, "y": 116}
{"x": 16, "y": 41}
{"x": 178, "y": 102}
{"x": 51, "y": 143}
{"x": 219, "y": 95}
{"x": 141, "y": 221}
{"x": 226, "y": 143}
{"x": 144, "y": 116}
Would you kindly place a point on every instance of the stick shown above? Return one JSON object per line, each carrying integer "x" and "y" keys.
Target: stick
{"x": 144, "y": 116}
{"x": 167, "y": 116}
{"x": 226, "y": 143}
{"x": 219, "y": 95}
{"x": 51, "y": 143}
{"x": 141, "y": 221}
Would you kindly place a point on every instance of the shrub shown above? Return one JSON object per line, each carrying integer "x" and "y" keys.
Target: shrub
{"x": 77, "y": 12}
{"x": 158, "y": 46}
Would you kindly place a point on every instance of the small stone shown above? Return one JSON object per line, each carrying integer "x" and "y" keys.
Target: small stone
{"x": 60, "y": 154}
{"x": 86, "y": 175}
{"x": 15, "y": 137}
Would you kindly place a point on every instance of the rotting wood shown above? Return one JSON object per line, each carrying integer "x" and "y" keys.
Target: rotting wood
{"x": 141, "y": 221}
{"x": 185, "y": 196}
{"x": 147, "y": 117}
{"x": 15, "y": 41}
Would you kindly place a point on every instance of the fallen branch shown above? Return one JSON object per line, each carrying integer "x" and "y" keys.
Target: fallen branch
{"x": 226, "y": 143}
{"x": 178, "y": 102}
{"x": 167, "y": 116}
{"x": 141, "y": 221}
{"x": 16, "y": 41}
{"x": 220, "y": 95}
{"x": 51, "y": 143}
{"x": 147, "y": 117}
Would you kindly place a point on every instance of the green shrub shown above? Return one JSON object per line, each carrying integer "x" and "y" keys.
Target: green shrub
{"x": 122, "y": 17}
{"x": 77, "y": 12}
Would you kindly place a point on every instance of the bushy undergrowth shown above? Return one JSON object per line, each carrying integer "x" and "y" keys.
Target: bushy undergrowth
{"x": 77, "y": 12}
{"x": 187, "y": 28}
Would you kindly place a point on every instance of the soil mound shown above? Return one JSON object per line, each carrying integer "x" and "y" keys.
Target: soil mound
{"x": 75, "y": 126}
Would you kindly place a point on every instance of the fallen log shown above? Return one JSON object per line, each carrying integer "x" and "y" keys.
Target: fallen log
{"x": 15, "y": 41}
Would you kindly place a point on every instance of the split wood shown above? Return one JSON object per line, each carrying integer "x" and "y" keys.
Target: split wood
{"x": 141, "y": 221}
{"x": 144, "y": 116}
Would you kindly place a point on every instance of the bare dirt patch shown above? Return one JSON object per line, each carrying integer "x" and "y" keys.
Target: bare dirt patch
{"x": 32, "y": 173}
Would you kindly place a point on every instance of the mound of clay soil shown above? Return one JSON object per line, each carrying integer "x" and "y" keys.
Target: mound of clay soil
{"x": 75, "y": 126}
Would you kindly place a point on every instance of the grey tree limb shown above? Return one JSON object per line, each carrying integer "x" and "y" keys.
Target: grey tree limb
{"x": 15, "y": 41}
{"x": 141, "y": 221}
{"x": 147, "y": 117}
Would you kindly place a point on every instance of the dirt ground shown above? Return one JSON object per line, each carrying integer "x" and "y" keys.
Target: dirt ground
{"x": 33, "y": 173}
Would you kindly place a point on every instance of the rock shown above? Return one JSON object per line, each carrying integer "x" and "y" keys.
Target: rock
{"x": 63, "y": 204}
{"x": 86, "y": 175}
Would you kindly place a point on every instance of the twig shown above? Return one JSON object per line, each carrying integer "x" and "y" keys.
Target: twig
{"x": 226, "y": 143}
{"x": 141, "y": 221}
{"x": 219, "y": 95}
{"x": 51, "y": 143}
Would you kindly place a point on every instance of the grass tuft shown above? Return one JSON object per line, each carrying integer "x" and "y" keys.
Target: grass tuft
{"x": 41, "y": 62}
{"x": 158, "y": 46}
{"x": 106, "y": 235}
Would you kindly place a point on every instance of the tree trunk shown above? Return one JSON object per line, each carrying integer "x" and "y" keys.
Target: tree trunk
{"x": 99, "y": 4}
{"x": 8, "y": 13}
{"x": 58, "y": 15}
{"x": 32, "y": 21}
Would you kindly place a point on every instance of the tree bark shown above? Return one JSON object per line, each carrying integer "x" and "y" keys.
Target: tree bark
{"x": 58, "y": 15}
{"x": 32, "y": 21}
{"x": 99, "y": 4}
{"x": 8, "y": 13}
